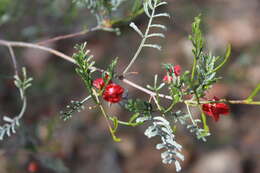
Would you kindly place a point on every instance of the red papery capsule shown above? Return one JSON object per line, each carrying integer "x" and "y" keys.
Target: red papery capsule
{"x": 177, "y": 70}
{"x": 167, "y": 79}
{"x": 215, "y": 109}
{"x": 99, "y": 83}
{"x": 113, "y": 93}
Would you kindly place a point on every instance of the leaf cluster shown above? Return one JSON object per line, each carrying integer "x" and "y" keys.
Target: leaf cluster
{"x": 191, "y": 124}
{"x": 73, "y": 107}
{"x": 100, "y": 8}
{"x": 85, "y": 66}
{"x": 205, "y": 64}
{"x": 150, "y": 7}
{"x": 138, "y": 106}
{"x": 161, "y": 127}
{"x": 11, "y": 123}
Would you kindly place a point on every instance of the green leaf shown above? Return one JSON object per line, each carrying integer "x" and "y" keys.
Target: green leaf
{"x": 254, "y": 93}
{"x": 227, "y": 55}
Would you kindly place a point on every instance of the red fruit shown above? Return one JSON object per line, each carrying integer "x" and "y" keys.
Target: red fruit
{"x": 113, "y": 93}
{"x": 177, "y": 70}
{"x": 167, "y": 79}
{"x": 32, "y": 167}
{"x": 99, "y": 83}
{"x": 215, "y": 109}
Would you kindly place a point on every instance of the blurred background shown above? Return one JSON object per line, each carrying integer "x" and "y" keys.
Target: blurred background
{"x": 46, "y": 144}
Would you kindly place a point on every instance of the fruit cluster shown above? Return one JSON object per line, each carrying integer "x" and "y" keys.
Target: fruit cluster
{"x": 177, "y": 72}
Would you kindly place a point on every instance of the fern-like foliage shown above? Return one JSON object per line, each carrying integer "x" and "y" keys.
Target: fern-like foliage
{"x": 73, "y": 107}
{"x": 150, "y": 7}
{"x": 100, "y": 8}
{"x": 205, "y": 64}
{"x": 161, "y": 127}
{"x": 95, "y": 5}
{"x": 85, "y": 67}
{"x": 11, "y": 123}
{"x": 193, "y": 125}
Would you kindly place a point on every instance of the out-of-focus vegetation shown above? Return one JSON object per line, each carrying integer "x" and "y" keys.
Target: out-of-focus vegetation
{"x": 83, "y": 143}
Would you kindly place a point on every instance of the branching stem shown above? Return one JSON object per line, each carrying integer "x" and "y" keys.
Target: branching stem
{"x": 142, "y": 42}
{"x": 126, "y": 81}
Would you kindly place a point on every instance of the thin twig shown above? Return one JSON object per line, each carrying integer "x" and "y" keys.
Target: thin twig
{"x": 31, "y": 45}
{"x": 14, "y": 61}
{"x": 67, "y": 36}
{"x": 149, "y": 92}
{"x": 190, "y": 115}
{"x": 62, "y": 37}
{"x": 246, "y": 102}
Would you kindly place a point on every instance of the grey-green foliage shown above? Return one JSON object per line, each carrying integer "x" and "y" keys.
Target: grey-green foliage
{"x": 206, "y": 65}
{"x": 161, "y": 128}
{"x": 138, "y": 106}
{"x": 11, "y": 123}
{"x": 73, "y": 107}
{"x": 150, "y": 7}
{"x": 100, "y": 8}
{"x": 99, "y": 4}
{"x": 111, "y": 5}
{"x": 206, "y": 76}
{"x": 85, "y": 67}
{"x": 191, "y": 125}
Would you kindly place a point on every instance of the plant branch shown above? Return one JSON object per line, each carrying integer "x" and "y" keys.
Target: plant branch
{"x": 13, "y": 59}
{"x": 67, "y": 36}
{"x": 142, "y": 42}
{"x": 246, "y": 102}
{"x": 62, "y": 37}
{"x": 126, "y": 81}
{"x": 35, "y": 46}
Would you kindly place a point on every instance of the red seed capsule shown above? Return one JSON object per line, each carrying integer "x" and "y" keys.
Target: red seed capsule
{"x": 215, "y": 109}
{"x": 99, "y": 83}
{"x": 167, "y": 79}
{"x": 113, "y": 93}
{"x": 177, "y": 70}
